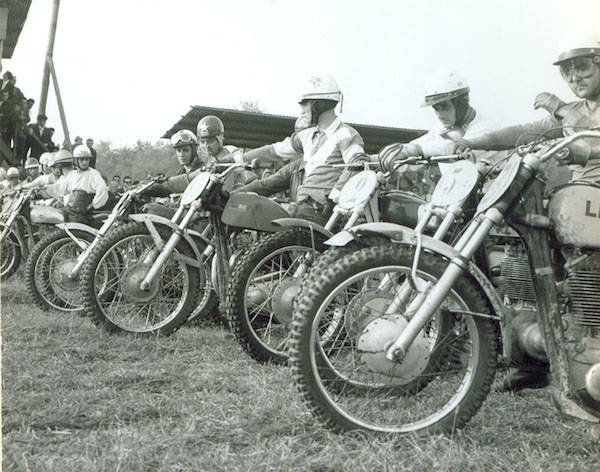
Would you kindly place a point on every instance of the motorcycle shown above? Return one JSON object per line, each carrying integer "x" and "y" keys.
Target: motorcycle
{"x": 160, "y": 270}
{"x": 424, "y": 359}
{"x": 20, "y": 224}
{"x": 266, "y": 280}
{"x": 54, "y": 263}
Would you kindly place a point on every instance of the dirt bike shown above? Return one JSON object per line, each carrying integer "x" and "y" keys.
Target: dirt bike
{"x": 161, "y": 270}
{"x": 266, "y": 280}
{"x": 20, "y": 224}
{"x": 423, "y": 360}
{"x": 54, "y": 263}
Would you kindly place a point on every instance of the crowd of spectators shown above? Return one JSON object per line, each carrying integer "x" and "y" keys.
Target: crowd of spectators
{"x": 21, "y": 137}
{"x": 18, "y": 134}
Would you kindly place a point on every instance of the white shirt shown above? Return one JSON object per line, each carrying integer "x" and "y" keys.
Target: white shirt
{"x": 89, "y": 181}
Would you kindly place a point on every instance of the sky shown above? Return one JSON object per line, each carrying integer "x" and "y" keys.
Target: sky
{"x": 128, "y": 70}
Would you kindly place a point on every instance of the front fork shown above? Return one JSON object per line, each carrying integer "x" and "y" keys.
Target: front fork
{"x": 429, "y": 299}
{"x": 167, "y": 249}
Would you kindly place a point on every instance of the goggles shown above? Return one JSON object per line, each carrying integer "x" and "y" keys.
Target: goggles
{"x": 580, "y": 66}
{"x": 183, "y": 138}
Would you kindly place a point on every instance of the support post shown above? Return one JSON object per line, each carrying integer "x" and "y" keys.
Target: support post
{"x": 61, "y": 109}
{"x": 49, "y": 53}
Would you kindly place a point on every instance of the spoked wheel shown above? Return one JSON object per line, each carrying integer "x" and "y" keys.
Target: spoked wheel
{"x": 262, "y": 289}
{"x": 207, "y": 305}
{"x": 48, "y": 271}
{"x": 341, "y": 331}
{"x": 10, "y": 255}
{"x": 111, "y": 278}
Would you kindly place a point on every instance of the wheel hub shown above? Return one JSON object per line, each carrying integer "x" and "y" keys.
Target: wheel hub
{"x": 63, "y": 275}
{"x": 378, "y": 334}
{"x": 130, "y": 282}
{"x": 283, "y": 299}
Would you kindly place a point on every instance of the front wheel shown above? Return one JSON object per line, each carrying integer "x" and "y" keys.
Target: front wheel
{"x": 10, "y": 255}
{"x": 48, "y": 269}
{"x": 262, "y": 289}
{"x": 343, "y": 374}
{"x": 111, "y": 277}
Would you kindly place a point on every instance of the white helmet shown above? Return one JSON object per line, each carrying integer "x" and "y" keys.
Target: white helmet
{"x": 321, "y": 87}
{"x": 444, "y": 85}
{"x": 579, "y": 43}
{"x": 63, "y": 156}
{"x": 81, "y": 151}
{"x": 32, "y": 163}
{"x": 12, "y": 172}
{"x": 46, "y": 158}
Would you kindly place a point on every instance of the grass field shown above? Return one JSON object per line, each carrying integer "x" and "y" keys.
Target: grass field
{"x": 75, "y": 398}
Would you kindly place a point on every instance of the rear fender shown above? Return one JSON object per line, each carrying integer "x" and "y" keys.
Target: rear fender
{"x": 150, "y": 220}
{"x": 398, "y": 234}
{"x": 301, "y": 223}
{"x": 72, "y": 226}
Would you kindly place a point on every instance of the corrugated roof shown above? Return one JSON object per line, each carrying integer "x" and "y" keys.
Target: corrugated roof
{"x": 252, "y": 130}
{"x": 17, "y": 14}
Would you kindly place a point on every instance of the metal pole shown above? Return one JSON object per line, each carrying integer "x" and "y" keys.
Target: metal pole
{"x": 49, "y": 52}
{"x": 61, "y": 109}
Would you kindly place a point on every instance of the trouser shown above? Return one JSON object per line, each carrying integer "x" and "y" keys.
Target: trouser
{"x": 312, "y": 210}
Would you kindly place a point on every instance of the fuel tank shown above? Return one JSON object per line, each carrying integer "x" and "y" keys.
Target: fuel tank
{"x": 46, "y": 215}
{"x": 400, "y": 207}
{"x": 574, "y": 211}
{"x": 252, "y": 211}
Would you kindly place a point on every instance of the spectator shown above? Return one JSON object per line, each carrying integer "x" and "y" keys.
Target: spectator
{"x": 36, "y": 138}
{"x": 126, "y": 182}
{"x": 78, "y": 141}
{"x": 29, "y": 105}
{"x": 89, "y": 142}
{"x": 47, "y": 140}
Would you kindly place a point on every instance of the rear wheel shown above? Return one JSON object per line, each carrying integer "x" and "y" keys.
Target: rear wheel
{"x": 343, "y": 374}
{"x": 48, "y": 269}
{"x": 262, "y": 288}
{"x": 116, "y": 302}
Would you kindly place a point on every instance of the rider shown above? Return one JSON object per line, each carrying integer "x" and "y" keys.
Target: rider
{"x": 212, "y": 151}
{"x": 323, "y": 140}
{"x": 579, "y": 64}
{"x": 45, "y": 160}
{"x": 12, "y": 177}
{"x": 84, "y": 185}
{"x": 185, "y": 144}
{"x": 447, "y": 92}
{"x": 32, "y": 167}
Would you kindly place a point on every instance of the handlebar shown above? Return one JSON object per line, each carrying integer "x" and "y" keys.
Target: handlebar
{"x": 566, "y": 141}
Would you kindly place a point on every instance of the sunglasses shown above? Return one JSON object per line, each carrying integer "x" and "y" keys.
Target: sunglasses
{"x": 580, "y": 66}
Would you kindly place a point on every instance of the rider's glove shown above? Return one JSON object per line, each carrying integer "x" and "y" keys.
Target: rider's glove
{"x": 549, "y": 102}
{"x": 390, "y": 154}
{"x": 579, "y": 153}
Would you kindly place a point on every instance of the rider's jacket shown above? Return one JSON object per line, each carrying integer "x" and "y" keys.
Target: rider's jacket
{"x": 436, "y": 143}
{"x": 337, "y": 144}
{"x": 288, "y": 177}
{"x": 89, "y": 181}
{"x": 553, "y": 128}
{"x": 40, "y": 181}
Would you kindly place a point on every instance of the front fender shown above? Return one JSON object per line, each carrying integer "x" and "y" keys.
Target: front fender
{"x": 188, "y": 235}
{"x": 301, "y": 223}
{"x": 398, "y": 234}
{"x": 72, "y": 226}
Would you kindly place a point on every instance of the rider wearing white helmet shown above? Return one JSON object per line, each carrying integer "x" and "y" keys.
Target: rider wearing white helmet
{"x": 45, "y": 160}
{"x": 322, "y": 140}
{"x": 447, "y": 92}
{"x": 84, "y": 186}
{"x": 579, "y": 65}
{"x": 32, "y": 168}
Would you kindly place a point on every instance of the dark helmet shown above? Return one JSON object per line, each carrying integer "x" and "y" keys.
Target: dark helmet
{"x": 210, "y": 127}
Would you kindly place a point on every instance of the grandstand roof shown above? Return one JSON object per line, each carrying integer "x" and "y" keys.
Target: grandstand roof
{"x": 17, "y": 14}
{"x": 250, "y": 130}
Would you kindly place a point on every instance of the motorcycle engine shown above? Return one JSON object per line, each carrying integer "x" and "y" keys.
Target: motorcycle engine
{"x": 509, "y": 269}
{"x": 582, "y": 289}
